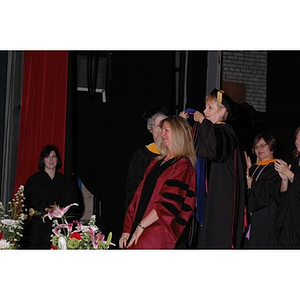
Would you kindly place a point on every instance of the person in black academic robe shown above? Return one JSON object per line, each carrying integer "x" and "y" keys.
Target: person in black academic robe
{"x": 143, "y": 156}
{"x": 263, "y": 194}
{"x": 288, "y": 220}
{"x": 216, "y": 142}
{"x": 42, "y": 190}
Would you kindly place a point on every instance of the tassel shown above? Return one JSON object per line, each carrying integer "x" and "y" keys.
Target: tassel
{"x": 220, "y": 95}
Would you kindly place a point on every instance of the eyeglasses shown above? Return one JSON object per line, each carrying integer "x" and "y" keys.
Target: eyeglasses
{"x": 262, "y": 146}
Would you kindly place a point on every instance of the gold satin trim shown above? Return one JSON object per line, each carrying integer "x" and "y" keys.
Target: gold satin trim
{"x": 152, "y": 148}
{"x": 220, "y": 95}
{"x": 265, "y": 162}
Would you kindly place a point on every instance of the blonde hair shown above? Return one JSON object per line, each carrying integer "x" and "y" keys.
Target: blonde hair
{"x": 182, "y": 139}
{"x": 219, "y": 104}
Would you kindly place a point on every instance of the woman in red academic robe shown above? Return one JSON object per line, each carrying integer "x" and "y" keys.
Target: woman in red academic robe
{"x": 165, "y": 199}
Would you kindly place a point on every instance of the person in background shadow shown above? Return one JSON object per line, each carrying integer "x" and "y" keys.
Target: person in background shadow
{"x": 142, "y": 156}
{"x": 223, "y": 201}
{"x": 42, "y": 190}
{"x": 165, "y": 199}
{"x": 288, "y": 221}
{"x": 263, "y": 194}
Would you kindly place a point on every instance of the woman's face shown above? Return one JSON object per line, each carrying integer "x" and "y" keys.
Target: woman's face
{"x": 263, "y": 151}
{"x": 166, "y": 135}
{"x": 50, "y": 161}
{"x": 297, "y": 141}
{"x": 212, "y": 112}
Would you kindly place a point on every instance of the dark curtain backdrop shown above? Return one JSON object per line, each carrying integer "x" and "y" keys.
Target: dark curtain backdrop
{"x": 43, "y": 108}
{"x": 106, "y": 134}
{"x": 283, "y": 102}
{"x": 11, "y": 122}
{"x": 3, "y": 75}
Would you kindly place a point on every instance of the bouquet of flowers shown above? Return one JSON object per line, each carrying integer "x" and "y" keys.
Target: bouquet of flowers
{"x": 75, "y": 235}
{"x": 11, "y": 224}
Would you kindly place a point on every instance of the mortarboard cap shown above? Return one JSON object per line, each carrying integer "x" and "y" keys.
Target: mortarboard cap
{"x": 151, "y": 111}
{"x": 229, "y": 104}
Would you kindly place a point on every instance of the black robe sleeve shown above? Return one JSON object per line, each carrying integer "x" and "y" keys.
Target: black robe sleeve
{"x": 215, "y": 141}
{"x": 139, "y": 162}
{"x": 288, "y": 221}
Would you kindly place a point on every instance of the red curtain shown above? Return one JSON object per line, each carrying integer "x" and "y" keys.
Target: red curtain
{"x": 43, "y": 108}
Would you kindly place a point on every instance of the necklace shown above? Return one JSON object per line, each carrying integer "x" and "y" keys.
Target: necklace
{"x": 256, "y": 178}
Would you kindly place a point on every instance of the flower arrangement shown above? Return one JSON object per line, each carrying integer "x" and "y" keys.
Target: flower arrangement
{"x": 75, "y": 235}
{"x": 11, "y": 224}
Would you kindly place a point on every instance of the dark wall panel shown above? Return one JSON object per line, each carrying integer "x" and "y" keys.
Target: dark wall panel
{"x": 196, "y": 84}
{"x": 283, "y": 102}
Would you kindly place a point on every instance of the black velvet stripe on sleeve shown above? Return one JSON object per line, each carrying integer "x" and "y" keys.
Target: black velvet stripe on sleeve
{"x": 186, "y": 207}
{"x": 171, "y": 208}
{"x": 174, "y": 197}
{"x": 177, "y": 183}
{"x": 190, "y": 193}
{"x": 181, "y": 221}
{"x": 174, "y": 211}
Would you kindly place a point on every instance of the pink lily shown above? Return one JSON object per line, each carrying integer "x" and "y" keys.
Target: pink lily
{"x": 57, "y": 229}
{"x": 91, "y": 231}
{"x": 57, "y": 212}
{"x": 96, "y": 239}
{"x": 99, "y": 237}
{"x": 79, "y": 226}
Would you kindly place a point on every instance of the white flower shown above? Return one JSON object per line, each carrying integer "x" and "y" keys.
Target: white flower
{"x": 8, "y": 222}
{"x": 62, "y": 244}
{"x": 87, "y": 228}
{"x": 4, "y": 244}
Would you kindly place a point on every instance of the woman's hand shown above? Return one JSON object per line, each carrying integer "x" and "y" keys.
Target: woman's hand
{"x": 183, "y": 114}
{"x": 285, "y": 173}
{"x": 123, "y": 240}
{"x": 147, "y": 221}
{"x": 198, "y": 116}
{"x": 284, "y": 170}
{"x": 136, "y": 235}
{"x": 248, "y": 161}
{"x": 248, "y": 165}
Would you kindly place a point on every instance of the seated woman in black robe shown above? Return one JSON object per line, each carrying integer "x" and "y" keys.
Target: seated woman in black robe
{"x": 42, "y": 190}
